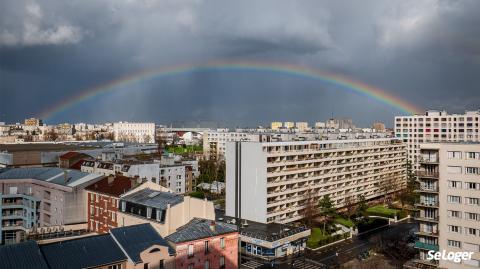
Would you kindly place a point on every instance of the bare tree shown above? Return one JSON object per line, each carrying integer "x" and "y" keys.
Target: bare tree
{"x": 350, "y": 206}
{"x": 310, "y": 210}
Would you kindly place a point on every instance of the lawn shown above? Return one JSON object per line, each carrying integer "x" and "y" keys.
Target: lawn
{"x": 344, "y": 222}
{"x": 380, "y": 210}
{"x": 318, "y": 238}
{"x": 184, "y": 149}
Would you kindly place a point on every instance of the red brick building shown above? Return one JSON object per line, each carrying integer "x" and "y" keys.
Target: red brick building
{"x": 103, "y": 202}
{"x": 205, "y": 244}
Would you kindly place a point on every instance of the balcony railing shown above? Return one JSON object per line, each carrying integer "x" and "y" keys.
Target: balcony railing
{"x": 427, "y": 188}
{"x": 423, "y": 245}
{"x": 432, "y": 160}
{"x": 426, "y": 174}
{"x": 427, "y": 203}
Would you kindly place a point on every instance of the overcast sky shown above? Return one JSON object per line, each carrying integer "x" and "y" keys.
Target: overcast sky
{"x": 426, "y": 52}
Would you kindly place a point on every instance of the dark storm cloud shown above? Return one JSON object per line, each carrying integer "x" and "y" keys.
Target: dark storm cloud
{"x": 424, "y": 51}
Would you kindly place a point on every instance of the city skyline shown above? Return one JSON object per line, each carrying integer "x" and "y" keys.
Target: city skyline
{"x": 53, "y": 52}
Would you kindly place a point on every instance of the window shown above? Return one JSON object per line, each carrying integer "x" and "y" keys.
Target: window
{"x": 96, "y": 197}
{"x": 454, "y": 184}
{"x": 454, "y": 154}
{"x": 206, "y": 247}
{"x": 190, "y": 250}
{"x": 115, "y": 266}
{"x": 471, "y": 186}
{"x": 471, "y": 247}
{"x": 13, "y": 190}
{"x": 471, "y": 216}
{"x": 471, "y": 231}
{"x": 473, "y": 155}
{"x": 222, "y": 261}
{"x": 222, "y": 242}
{"x": 454, "y": 229}
{"x": 114, "y": 216}
{"x": 471, "y": 170}
{"x": 162, "y": 264}
{"x": 454, "y": 243}
{"x": 145, "y": 266}
{"x": 454, "y": 199}
{"x": 207, "y": 264}
{"x": 471, "y": 201}
{"x": 454, "y": 169}
{"x": 454, "y": 214}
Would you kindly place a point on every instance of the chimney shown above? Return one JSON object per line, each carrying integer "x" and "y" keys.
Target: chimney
{"x": 65, "y": 176}
{"x": 212, "y": 226}
{"x": 110, "y": 180}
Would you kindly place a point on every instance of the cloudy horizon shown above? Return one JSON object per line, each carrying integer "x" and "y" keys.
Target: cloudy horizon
{"x": 425, "y": 52}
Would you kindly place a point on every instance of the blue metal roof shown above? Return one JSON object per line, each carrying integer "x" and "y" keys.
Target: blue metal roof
{"x": 154, "y": 199}
{"x": 137, "y": 238}
{"x": 200, "y": 228}
{"x": 25, "y": 255}
{"x": 84, "y": 252}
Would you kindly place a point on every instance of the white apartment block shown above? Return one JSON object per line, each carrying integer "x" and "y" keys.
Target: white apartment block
{"x": 172, "y": 177}
{"x": 275, "y": 125}
{"x": 301, "y": 126}
{"x": 436, "y": 126}
{"x": 276, "y": 177}
{"x": 449, "y": 216}
{"x": 134, "y": 132}
{"x": 214, "y": 142}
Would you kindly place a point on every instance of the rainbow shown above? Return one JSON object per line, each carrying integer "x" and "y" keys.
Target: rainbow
{"x": 337, "y": 80}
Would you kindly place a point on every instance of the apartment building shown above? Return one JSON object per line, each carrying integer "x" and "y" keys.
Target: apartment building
{"x": 436, "y": 126}
{"x": 277, "y": 178}
{"x": 275, "y": 125}
{"x": 177, "y": 177}
{"x": 204, "y": 243}
{"x": 289, "y": 124}
{"x": 163, "y": 210}
{"x": 140, "y": 132}
{"x": 302, "y": 126}
{"x": 32, "y": 198}
{"x": 449, "y": 204}
{"x": 214, "y": 142}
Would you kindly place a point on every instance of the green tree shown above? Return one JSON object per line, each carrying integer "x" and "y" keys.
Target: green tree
{"x": 326, "y": 209}
{"x": 362, "y": 205}
{"x": 221, "y": 167}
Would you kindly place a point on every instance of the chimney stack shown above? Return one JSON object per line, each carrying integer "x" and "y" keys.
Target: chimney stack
{"x": 212, "y": 226}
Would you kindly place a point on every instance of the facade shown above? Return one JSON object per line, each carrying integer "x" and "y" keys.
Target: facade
{"x": 32, "y": 198}
{"x": 164, "y": 211}
{"x": 320, "y": 125}
{"x": 71, "y": 158}
{"x": 449, "y": 177}
{"x": 277, "y": 178}
{"x": 204, "y": 243}
{"x": 143, "y": 132}
{"x": 289, "y": 125}
{"x": 275, "y": 125}
{"x": 103, "y": 202}
{"x": 33, "y": 122}
{"x": 214, "y": 142}
{"x": 301, "y": 126}
{"x": 378, "y": 126}
{"x": 436, "y": 126}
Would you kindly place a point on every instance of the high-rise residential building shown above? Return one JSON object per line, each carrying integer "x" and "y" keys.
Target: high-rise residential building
{"x": 378, "y": 126}
{"x": 141, "y": 132}
{"x": 275, "y": 125}
{"x": 301, "y": 125}
{"x": 436, "y": 126}
{"x": 449, "y": 204}
{"x": 289, "y": 124}
{"x": 320, "y": 125}
{"x": 278, "y": 178}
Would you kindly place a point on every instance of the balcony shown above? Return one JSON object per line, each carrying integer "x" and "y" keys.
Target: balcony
{"x": 433, "y": 204}
{"x": 424, "y": 233}
{"x": 426, "y": 246}
{"x": 423, "y": 218}
{"x": 427, "y": 174}
{"x": 431, "y": 160}
{"x": 428, "y": 189}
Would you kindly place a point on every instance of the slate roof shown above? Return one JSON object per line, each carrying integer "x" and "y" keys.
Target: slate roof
{"x": 153, "y": 198}
{"x": 200, "y": 228}
{"x": 137, "y": 238}
{"x": 25, "y": 255}
{"x": 50, "y": 174}
{"x": 84, "y": 252}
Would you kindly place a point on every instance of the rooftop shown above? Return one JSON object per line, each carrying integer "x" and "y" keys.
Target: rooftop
{"x": 25, "y": 255}
{"x": 84, "y": 252}
{"x": 152, "y": 198}
{"x": 43, "y": 147}
{"x": 64, "y": 177}
{"x": 200, "y": 228}
{"x": 114, "y": 186}
{"x": 137, "y": 238}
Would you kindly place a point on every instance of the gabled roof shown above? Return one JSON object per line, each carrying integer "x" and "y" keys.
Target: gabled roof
{"x": 70, "y": 155}
{"x": 153, "y": 198}
{"x": 137, "y": 238}
{"x": 25, "y": 255}
{"x": 118, "y": 186}
{"x": 200, "y": 228}
{"x": 83, "y": 252}
{"x": 64, "y": 177}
